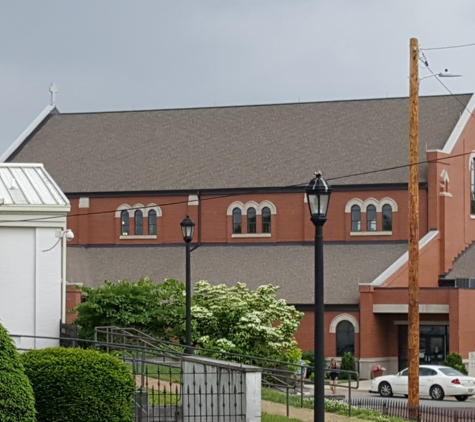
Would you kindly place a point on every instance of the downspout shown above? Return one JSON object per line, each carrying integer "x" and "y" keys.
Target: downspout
{"x": 63, "y": 276}
{"x": 199, "y": 222}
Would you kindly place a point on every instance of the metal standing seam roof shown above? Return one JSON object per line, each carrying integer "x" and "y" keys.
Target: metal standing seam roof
{"x": 24, "y": 185}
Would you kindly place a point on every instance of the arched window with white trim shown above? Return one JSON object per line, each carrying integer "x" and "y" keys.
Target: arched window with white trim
{"x": 472, "y": 186}
{"x": 138, "y": 223}
{"x": 387, "y": 212}
{"x": 345, "y": 338}
{"x": 152, "y": 222}
{"x": 266, "y": 220}
{"x": 251, "y": 220}
{"x": 355, "y": 218}
{"x": 237, "y": 220}
{"x": 371, "y": 218}
{"x": 124, "y": 223}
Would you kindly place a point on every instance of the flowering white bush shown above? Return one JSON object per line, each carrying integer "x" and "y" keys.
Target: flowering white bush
{"x": 236, "y": 319}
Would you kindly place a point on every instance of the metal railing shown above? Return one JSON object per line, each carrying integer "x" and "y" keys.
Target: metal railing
{"x": 277, "y": 375}
{"x": 158, "y": 372}
{"x": 161, "y": 397}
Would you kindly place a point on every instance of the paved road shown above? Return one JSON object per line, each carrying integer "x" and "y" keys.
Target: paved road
{"x": 363, "y": 393}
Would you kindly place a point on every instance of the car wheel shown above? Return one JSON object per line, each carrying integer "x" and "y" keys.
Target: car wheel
{"x": 437, "y": 393}
{"x": 385, "y": 389}
{"x": 461, "y": 398}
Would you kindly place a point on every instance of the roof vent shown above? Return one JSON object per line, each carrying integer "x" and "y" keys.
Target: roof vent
{"x": 14, "y": 184}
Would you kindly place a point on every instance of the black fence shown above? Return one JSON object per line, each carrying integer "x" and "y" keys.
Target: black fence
{"x": 188, "y": 392}
{"x": 422, "y": 413}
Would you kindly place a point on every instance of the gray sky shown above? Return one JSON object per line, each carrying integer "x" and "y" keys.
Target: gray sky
{"x": 124, "y": 55}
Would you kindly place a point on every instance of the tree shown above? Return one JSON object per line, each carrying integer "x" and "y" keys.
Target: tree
{"x": 17, "y": 403}
{"x": 232, "y": 319}
{"x": 254, "y": 323}
{"x": 157, "y": 309}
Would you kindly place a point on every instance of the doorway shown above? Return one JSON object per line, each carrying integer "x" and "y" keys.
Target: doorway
{"x": 433, "y": 345}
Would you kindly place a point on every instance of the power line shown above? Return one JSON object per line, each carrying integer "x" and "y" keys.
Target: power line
{"x": 448, "y": 47}
{"x": 426, "y": 63}
{"x": 252, "y": 190}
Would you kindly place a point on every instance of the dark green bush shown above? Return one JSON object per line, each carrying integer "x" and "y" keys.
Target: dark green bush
{"x": 309, "y": 357}
{"x": 79, "y": 385}
{"x": 454, "y": 360}
{"x": 17, "y": 403}
{"x": 348, "y": 364}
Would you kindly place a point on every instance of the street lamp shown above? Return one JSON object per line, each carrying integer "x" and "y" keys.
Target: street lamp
{"x": 188, "y": 228}
{"x": 318, "y": 197}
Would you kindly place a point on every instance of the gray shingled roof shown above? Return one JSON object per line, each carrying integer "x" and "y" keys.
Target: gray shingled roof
{"x": 237, "y": 147}
{"x": 464, "y": 265}
{"x": 288, "y": 266}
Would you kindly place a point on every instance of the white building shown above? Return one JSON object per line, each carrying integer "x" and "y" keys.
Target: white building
{"x": 33, "y": 237}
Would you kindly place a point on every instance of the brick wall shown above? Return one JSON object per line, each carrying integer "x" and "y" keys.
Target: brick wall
{"x": 73, "y": 298}
{"x": 97, "y": 225}
{"x": 305, "y": 333}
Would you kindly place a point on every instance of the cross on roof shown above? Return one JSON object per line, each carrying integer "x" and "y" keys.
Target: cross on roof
{"x": 53, "y": 89}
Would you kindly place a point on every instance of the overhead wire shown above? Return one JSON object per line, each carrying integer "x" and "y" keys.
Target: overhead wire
{"x": 426, "y": 63}
{"x": 252, "y": 190}
{"x": 423, "y": 59}
{"x": 448, "y": 47}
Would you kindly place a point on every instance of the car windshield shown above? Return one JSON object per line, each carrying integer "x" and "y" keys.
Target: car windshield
{"x": 450, "y": 372}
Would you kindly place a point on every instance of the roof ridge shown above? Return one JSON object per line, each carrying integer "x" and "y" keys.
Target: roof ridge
{"x": 259, "y": 105}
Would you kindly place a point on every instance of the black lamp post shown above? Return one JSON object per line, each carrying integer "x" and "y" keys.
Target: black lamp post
{"x": 318, "y": 197}
{"x": 187, "y": 228}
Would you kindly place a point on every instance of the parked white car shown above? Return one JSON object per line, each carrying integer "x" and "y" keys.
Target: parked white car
{"x": 435, "y": 381}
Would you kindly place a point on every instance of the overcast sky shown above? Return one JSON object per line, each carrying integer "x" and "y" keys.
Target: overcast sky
{"x": 124, "y": 55}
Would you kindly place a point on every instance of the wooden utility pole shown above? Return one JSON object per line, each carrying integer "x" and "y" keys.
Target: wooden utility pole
{"x": 413, "y": 282}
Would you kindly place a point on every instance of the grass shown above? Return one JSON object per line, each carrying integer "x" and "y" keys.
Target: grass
{"x": 159, "y": 398}
{"x": 160, "y": 372}
{"x": 331, "y": 406}
{"x": 275, "y": 418}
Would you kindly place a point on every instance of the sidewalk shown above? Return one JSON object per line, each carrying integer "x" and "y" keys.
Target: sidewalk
{"x": 364, "y": 386}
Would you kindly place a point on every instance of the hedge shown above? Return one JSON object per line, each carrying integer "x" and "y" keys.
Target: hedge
{"x": 17, "y": 403}
{"x": 73, "y": 385}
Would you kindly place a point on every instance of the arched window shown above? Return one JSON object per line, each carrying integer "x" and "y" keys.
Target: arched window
{"x": 355, "y": 218}
{"x": 251, "y": 220}
{"x": 237, "y": 221}
{"x": 371, "y": 218}
{"x": 266, "y": 220}
{"x": 138, "y": 223}
{"x": 472, "y": 186}
{"x": 152, "y": 222}
{"x": 124, "y": 222}
{"x": 387, "y": 218}
{"x": 345, "y": 338}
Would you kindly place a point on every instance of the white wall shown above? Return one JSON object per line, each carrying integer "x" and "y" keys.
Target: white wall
{"x": 30, "y": 284}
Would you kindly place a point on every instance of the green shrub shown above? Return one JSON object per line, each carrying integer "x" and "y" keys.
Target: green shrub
{"x": 454, "y": 360}
{"x": 79, "y": 385}
{"x": 309, "y": 357}
{"x": 17, "y": 403}
{"x": 348, "y": 364}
